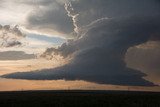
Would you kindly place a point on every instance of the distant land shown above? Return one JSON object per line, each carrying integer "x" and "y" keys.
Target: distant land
{"x": 79, "y": 98}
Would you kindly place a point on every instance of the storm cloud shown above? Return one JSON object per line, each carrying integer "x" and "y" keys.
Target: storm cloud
{"x": 107, "y": 28}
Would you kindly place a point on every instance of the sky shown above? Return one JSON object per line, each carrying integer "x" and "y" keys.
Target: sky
{"x": 98, "y": 42}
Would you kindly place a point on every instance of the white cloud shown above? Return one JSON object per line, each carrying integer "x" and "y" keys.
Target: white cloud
{"x": 13, "y": 13}
{"x": 10, "y": 36}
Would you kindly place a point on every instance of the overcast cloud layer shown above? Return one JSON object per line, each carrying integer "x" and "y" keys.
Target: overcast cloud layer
{"x": 104, "y": 30}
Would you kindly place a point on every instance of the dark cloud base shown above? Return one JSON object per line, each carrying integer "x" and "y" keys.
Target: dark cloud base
{"x": 132, "y": 80}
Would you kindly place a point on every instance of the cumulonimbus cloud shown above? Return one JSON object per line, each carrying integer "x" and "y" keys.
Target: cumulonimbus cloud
{"x": 101, "y": 58}
{"x": 98, "y": 55}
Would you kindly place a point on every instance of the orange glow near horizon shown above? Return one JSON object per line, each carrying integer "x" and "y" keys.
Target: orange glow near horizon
{"x": 27, "y": 65}
{"x": 30, "y": 65}
{"x": 20, "y": 85}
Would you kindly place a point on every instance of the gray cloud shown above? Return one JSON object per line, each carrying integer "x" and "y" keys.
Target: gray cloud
{"x": 64, "y": 50}
{"x": 108, "y": 29}
{"x": 10, "y": 36}
{"x": 91, "y": 10}
{"x": 50, "y": 16}
{"x": 15, "y": 55}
